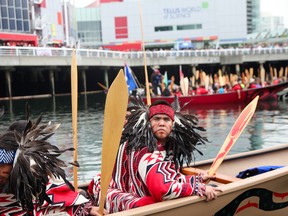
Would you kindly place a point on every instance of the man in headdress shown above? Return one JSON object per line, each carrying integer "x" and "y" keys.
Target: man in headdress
{"x": 155, "y": 143}
{"x": 32, "y": 179}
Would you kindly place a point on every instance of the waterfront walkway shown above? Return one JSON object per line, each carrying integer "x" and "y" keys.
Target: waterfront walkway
{"x": 47, "y": 56}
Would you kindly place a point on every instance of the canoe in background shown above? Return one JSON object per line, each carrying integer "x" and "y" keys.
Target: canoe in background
{"x": 243, "y": 96}
{"x": 263, "y": 194}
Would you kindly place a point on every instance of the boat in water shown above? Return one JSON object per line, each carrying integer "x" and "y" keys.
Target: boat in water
{"x": 263, "y": 194}
{"x": 243, "y": 96}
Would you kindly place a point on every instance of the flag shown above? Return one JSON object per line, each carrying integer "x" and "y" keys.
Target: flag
{"x": 129, "y": 78}
{"x": 165, "y": 79}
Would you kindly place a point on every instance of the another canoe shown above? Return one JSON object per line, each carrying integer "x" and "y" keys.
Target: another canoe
{"x": 243, "y": 96}
{"x": 263, "y": 194}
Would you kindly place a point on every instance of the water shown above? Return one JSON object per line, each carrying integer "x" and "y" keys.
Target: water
{"x": 268, "y": 126}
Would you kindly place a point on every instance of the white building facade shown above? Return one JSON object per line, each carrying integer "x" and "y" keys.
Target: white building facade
{"x": 170, "y": 22}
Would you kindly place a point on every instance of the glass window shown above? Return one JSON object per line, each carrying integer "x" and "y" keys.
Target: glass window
{"x": 186, "y": 27}
{"x": 4, "y": 12}
{"x": 189, "y": 27}
{"x": 10, "y": 2}
{"x": 17, "y": 3}
{"x": 26, "y": 26}
{"x": 163, "y": 28}
{"x": 3, "y": 2}
{"x": 25, "y": 14}
{"x": 12, "y": 24}
{"x": 19, "y": 25}
{"x": 24, "y": 3}
{"x": 18, "y": 13}
{"x": 11, "y": 12}
{"x": 5, "y": 23}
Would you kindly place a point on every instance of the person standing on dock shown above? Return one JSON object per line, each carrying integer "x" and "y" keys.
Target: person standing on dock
{"x": 156, "y": 79}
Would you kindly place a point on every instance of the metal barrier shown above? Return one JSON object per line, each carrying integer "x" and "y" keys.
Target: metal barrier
{"x": 50, "y": 51}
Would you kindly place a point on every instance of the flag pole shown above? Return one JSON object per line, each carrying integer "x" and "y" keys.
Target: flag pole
{"x": 145, "y": 64}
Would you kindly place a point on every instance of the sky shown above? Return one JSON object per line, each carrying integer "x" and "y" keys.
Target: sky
{"x": 274, "y": 7}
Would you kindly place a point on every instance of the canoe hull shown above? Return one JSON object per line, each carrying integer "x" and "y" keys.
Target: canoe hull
{"x": 244, "y": 96}
{"x": 264, "y": 194}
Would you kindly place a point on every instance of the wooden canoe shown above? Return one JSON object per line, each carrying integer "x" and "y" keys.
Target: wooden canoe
{"x": 243, "y": 96}
{"x": 263, "y": 194}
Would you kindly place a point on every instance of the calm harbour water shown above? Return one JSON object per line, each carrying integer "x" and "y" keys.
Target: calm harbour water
{"x": 268, "y": 127}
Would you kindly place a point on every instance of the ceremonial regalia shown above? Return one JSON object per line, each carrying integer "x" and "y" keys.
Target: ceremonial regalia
{"x": 146, "y": 171}
{"x": 37, "y": 183}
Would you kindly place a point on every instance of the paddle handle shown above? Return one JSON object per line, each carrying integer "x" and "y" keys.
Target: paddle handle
{"x": 221, "y": 178}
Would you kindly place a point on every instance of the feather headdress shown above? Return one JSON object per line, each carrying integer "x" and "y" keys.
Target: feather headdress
{"x": 35, "y": 160}
{"x": 182, "y": 141}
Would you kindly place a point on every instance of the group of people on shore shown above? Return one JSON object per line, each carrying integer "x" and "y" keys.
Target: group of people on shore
{"x": 153, "y": 150}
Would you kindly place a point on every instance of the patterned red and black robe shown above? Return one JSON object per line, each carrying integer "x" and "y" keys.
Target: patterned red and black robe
{"x": 141, "y": 178}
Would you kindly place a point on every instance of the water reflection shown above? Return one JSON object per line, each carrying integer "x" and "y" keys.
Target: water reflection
{"x": 268, "y": 126}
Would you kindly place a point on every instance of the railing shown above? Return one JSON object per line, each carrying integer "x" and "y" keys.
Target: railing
{"x": 50, "y": 51}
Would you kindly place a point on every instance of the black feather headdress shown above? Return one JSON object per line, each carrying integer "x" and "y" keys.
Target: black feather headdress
{"x": 35, "y": 161}
{"x": 182, "y": 141}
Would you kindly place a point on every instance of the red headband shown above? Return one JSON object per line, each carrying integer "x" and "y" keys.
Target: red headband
{"x": 161, "y": 109}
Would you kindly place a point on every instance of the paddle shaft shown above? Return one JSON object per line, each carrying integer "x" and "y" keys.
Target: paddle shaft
{"x": 148, "y": 97}
{"x": 235, "y": 132}
{"x": 74, "y": 99}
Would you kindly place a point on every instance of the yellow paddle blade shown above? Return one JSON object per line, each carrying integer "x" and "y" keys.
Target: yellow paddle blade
{"x": 238, "y": 127}
{"x": 114, "y": 117}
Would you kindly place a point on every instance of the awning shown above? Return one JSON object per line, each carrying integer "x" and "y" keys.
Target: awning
{"x": 57, "y": 42}
{"x": 31, "y": 38}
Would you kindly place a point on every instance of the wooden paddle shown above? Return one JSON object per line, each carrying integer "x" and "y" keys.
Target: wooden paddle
{"x": 148, "y": 96}
{"x": 238, "y": 127}
{"x": 102, "y": 86}
{"x": 74, "y": 100}
{"x": 114, "y": 117}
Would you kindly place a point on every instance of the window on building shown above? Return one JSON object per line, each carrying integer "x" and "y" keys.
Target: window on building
{"x": 121, "y": 27}
{"x": 189, "y": 27}
{"x": 17, "y": 3}
{"x": 25, "y": 14}
{"x": 25, "y": 4}
{"x": 89, "y": 32}
{"x": 4, "y": 12}
{"x": 10, "y": 2}
{"x": 163, "y": 28}
{"x": 5, "y": 24}
{"x": 19, "y": 25}
{"x": 26, "y": 26}
{"x": 12, "y": 24}
{"x": 11, "y": 13}
{"x": 3, "y": 2}
{"x": 18, "y": 13}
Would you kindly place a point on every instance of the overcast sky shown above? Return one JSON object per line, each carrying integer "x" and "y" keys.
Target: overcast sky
{"x": 274, "y": 7}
